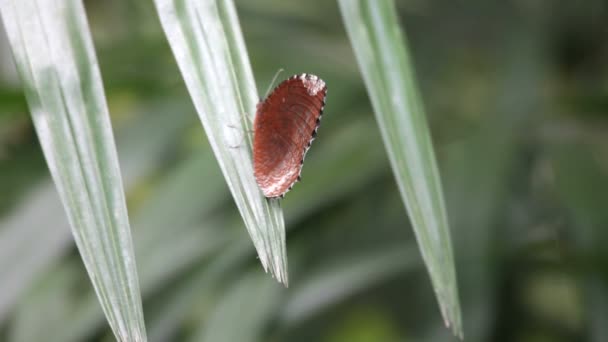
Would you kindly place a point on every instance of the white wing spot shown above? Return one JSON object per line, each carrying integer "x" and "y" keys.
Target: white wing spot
{"x": 312, "y": 83}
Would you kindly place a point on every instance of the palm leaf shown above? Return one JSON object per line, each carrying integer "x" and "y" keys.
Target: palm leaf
{"x": 54, "y": 55}
{"x": 206, "y": 40}
{"x": 376, "y": 38}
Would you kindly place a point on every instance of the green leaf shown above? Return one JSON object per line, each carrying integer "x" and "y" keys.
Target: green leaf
{"x": 581, "y": 183}
{"x": 203, "y": 284}
{"x": 37, "y": 233}
{"x": 54, "y": 54}
{"x": 251, "y": 302}
{"x": 206, "y": 40}
{"x": 374, "y": 32}
{"x": 339, "y": 280}
{"x": 170, "y": 241}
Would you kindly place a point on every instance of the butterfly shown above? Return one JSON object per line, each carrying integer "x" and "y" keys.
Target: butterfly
{"x": 285, "y": 125}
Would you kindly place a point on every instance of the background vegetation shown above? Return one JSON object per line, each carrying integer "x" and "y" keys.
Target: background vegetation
{"x": 516, "y": 95}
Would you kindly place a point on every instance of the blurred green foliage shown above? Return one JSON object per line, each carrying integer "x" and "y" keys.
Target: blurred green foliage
{"x": 517, "y": 97}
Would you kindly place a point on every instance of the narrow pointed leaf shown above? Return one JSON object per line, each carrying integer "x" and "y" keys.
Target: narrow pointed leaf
{"x": 337, "y": 281}
{"x": 37, "y": 233}
{"x": 252, "y": 312}
{"x": 375, "y": 35}
{"x": 54, "y": 55}
{"x": 207, "y": 43}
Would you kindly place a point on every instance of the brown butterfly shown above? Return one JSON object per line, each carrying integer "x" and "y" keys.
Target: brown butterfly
{"x": 285, "y": 125}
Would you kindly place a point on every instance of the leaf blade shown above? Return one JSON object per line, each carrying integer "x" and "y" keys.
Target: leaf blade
{"x": 207, "y": 44}
{"x": 375, "y": 36}
{"x": 54, "y": 55}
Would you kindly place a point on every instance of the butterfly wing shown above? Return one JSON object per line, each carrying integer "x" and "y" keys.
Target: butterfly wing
{"x": 284, "y": 127}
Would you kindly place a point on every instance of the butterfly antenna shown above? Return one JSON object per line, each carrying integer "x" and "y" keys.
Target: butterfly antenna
{"x": 272, "y": 82}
